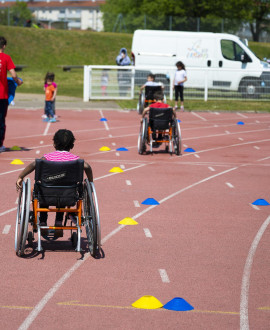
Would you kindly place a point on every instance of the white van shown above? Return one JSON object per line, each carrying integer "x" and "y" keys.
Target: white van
{"x": 229, "y": 63}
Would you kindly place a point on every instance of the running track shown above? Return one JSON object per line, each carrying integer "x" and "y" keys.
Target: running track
{"x": 205, "y": 242}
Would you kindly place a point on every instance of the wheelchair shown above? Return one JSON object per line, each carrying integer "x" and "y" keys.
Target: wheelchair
{"x": 147, "y": 97}
{"x": 160, "y": 128}
{"x": 60, "y": 187}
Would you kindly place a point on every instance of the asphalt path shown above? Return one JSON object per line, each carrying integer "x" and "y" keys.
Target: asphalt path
{"x": 205, "y": 242}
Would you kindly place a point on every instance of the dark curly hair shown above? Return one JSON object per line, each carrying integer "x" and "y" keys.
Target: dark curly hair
{"x": 63, "y": 140}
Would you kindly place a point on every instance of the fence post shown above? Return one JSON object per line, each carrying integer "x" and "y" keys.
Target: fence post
{"x": 86, "y": 80}
{"x": 132, "y": 82}
{"x": 205, "y": 85}
{"x": 171, "y": 85}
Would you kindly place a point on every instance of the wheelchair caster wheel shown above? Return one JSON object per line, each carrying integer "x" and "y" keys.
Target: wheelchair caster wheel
{"x": 74, "y": 239}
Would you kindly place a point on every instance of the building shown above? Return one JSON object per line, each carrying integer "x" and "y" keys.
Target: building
{"x": 76, "y": 14}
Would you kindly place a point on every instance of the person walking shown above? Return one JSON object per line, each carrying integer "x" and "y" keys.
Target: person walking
{"x": 178, "y": 84}
{"x": 6, "y": 64}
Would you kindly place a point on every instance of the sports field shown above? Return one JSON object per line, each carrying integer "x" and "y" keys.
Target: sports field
{"x": 205, "y": 241}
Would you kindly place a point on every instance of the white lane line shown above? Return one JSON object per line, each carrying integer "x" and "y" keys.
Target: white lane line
{"x": 241, "y": 115}
{"x": 122, "y": 167}
{"x": 255, "y": 207}
{"x": 215, "y": 125}
{"x": 147, "y": 233}
{"x": 255, "y": 147}
{"x": 227, "y": 132}
{"x": 216, "y": 113}
{"x": 42, "y": 303}
{"x": 184, "y": 145}
{"x": 113, "y": 144}
{"x": 257, "y": 121}
{"x": 241, "y": 139}
{"x": 197, "y": 156}
{"x": 128, "y": 182}
{"x": 38, "y": 152}
{"x": 259, "y": 160}
{"x": 117, "y": 154}
{"x": 164, "y": 276}
{"x": 18, "y": 169}
{"x": 197, "y": 115}
{"x": 17, "y": 200}
{"x": 244, "y": 322}
{"x": 46, "y": 129}
{"x": 110, "y": 135}
{"x": 8, "y": 211}
{"x": 136, "y": 204}
{"x": 211, "y": 169}
{"x": 105, "y": 123}
{"x": 229, "y": 185}
{"x": 6, "y": 229}
{"x": 41, "y": 142}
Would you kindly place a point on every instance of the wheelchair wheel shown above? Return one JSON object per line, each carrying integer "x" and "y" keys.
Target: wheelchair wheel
{"x": 91, "y": 216}
{"x": 74, "y": 239}
{"x": 177, "y": 140}
{"x": 142, "y": 137}
{"x": 140, "y": 105}
{"x": 22, "y": 219}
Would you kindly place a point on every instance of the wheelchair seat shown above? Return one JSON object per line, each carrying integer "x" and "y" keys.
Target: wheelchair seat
{"x": 58, "y": 184}
{"x": 160, "y": 118}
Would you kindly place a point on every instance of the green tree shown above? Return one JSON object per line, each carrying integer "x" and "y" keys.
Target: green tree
{"x": 17, "y": 14}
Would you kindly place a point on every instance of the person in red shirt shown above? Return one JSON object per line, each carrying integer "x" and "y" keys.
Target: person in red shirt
{"x": 6, "y": 64}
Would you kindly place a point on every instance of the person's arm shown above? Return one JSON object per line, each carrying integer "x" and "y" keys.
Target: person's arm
{"x": 15, "y": 77}
{"x": 181, "y": 82}
{"x": 88, "y": 171}
{"x": 142, "y": 87}
{"x": 29, "y": 168}
{"x": 54, "y": 94}
{"x": 145, "y": 112}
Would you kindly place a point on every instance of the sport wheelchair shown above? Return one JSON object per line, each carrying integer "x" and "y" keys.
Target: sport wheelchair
{"x": 147, "y": 97}
{"x": 160, "y": 123}
{"x": 59, "y": 186}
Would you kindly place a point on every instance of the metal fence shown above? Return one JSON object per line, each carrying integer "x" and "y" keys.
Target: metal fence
{"x": 115, "y": 82}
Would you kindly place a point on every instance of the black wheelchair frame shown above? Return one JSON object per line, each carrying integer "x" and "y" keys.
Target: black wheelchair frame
{"x": 147, "y": 97}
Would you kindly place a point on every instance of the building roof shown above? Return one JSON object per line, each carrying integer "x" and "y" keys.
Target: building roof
{"x": 57, "y": 4}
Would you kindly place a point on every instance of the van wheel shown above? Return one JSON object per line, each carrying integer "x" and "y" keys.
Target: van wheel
{"x": 250, "y": 89}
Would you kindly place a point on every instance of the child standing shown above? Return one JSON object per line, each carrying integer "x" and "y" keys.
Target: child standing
{"x": 63, "y": 142}
{"x": 104, "y": 82}
{"x": 49, "y": 99}
{"x": 51, "y": 76}
{"x": 179, "y": 78}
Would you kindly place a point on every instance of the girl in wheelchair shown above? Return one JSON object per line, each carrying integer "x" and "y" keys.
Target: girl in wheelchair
{"x": 63, "y": 142}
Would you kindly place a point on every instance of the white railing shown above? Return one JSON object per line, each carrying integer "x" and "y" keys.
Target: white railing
{"x": 123, "y": 82}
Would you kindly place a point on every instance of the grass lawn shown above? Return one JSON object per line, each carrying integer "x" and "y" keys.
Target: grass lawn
{"x": 44, "y": 50}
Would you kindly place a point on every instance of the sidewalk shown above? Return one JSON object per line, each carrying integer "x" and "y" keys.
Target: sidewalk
{"x": 36, "y": 101}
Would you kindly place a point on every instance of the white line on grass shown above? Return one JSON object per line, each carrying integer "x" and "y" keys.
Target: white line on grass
{"x": 164, "y": 276}
{"x": 244, "y": 322}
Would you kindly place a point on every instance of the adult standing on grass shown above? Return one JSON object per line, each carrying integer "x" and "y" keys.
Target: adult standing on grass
{"x": 6, "y": 64}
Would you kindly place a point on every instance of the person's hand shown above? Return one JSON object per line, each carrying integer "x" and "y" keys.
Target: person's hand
{"x": 19, "y": 184}
{"x": 19, "y": 82}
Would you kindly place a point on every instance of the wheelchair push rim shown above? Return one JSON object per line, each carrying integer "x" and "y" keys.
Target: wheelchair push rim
{"x": 91, "y": 218}
{"x": 141, "y": 138}
{"x": 22, "y": 219}
{"x": 177, "y": 140}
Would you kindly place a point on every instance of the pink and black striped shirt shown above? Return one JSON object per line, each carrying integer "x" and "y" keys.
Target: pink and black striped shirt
{"x": 60, "y": 156}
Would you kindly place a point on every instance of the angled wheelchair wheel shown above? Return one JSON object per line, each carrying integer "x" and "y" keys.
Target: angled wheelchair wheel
{"x": 91, "y": 216}
{"x": 140, "y": 105}
{"x": 142, "y": 137}
{"x": 177, "y": 140}
{"x": 22, "y": 219}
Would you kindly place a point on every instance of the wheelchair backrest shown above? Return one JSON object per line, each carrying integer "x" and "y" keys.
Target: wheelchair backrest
{"x": 58, "y": 184}
{"x": 160, "y": 118}
{"x": 150, "y": 91}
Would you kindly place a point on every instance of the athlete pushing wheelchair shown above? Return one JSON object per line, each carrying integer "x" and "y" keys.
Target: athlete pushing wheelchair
{"x": 161, "y": 127}
{"x": 58, "y": 183}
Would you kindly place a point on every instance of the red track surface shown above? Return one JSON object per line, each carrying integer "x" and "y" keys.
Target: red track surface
{"x": 213, "y": 245}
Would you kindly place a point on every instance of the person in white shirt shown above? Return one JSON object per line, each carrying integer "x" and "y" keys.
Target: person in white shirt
{"x": 179, "y": 78}
{"x": 150, "y": 82}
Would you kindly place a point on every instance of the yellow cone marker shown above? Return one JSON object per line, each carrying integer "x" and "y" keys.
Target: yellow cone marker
{"x": 147, "y": 302}
{"x": 14, "y": 148}
{"x": 17, "y": 162}
{"x": 116, "y": 170}
{"x": 104, "y": 148}
{"x": 128, "y": 221}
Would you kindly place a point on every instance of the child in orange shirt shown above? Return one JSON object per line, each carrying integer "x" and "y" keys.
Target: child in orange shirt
{"x": 49, "y": 99}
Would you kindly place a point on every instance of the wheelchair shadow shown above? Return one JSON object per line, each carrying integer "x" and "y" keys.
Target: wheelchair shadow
{"x": 17, "y": 148}
{"x": 58, "y": 245}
